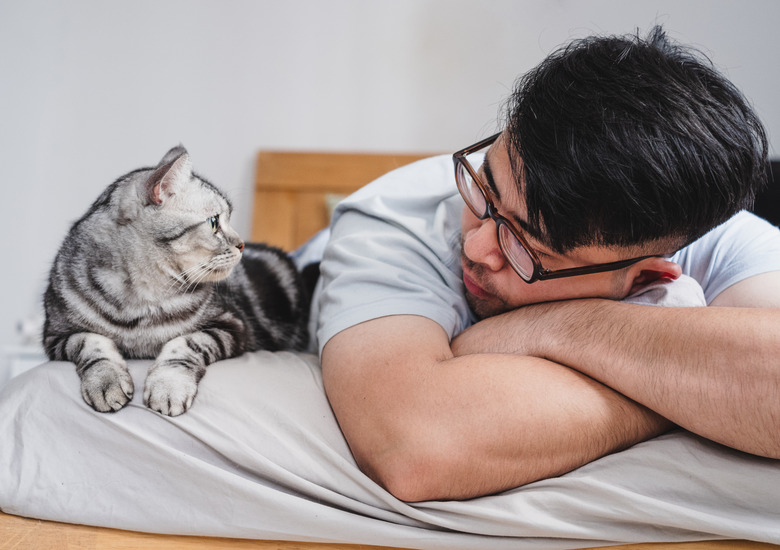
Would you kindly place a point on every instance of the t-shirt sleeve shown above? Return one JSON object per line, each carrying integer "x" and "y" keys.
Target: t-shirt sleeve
{"x": 742, "y": 247}
{"x": 393, "y": 251}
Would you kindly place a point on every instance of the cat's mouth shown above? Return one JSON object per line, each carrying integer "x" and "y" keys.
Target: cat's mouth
{"x": 221, "y": 270}
{"x": 215, "y": 270}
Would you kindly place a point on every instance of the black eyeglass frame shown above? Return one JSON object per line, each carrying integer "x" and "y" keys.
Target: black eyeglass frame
{"x": 540, "y": 273}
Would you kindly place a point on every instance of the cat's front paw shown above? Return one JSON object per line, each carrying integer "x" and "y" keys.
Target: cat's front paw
{"x": 106, "y": 386}
{"x": 170, "y": 390}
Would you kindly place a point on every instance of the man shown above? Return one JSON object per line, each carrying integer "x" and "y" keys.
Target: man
{"x": 470, "y": 349}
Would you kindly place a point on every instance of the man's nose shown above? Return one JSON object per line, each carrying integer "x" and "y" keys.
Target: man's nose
{"x": 481, "y": 245}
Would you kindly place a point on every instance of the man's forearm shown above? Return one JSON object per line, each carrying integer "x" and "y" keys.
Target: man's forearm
{"x": 427, "y": 425}
{"x": 714, "y": 371}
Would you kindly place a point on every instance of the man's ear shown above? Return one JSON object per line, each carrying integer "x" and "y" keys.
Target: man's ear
{"x": 650, "y": 270}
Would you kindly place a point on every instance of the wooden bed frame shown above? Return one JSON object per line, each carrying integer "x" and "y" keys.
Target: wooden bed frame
{"x": 293, "y": 193}
{"x": 22, "y": 534}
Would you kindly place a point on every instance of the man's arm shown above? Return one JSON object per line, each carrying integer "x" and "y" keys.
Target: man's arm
{"x": 714, "y": 371}
{"x": 428, "y": 425}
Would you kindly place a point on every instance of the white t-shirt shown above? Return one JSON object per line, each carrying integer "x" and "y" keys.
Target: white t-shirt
{"x": 394, "y": 249}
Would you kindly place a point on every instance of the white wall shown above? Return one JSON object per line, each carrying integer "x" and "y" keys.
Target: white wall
{"x": 90, "y": 89}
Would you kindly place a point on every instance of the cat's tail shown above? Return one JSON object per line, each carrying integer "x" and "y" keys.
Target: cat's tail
{"x": 310, "y": 274}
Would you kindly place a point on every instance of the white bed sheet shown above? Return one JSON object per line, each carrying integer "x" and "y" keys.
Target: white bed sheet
{"x": 260, "y": 456}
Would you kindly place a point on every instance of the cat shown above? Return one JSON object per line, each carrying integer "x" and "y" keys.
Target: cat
{"x": 154, "y": 270}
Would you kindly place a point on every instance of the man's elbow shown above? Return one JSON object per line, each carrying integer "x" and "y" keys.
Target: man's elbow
{"x": 410, "y": 476}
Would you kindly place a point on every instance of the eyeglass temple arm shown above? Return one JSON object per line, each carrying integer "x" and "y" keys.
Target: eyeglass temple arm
{"x": 547, "y": 274}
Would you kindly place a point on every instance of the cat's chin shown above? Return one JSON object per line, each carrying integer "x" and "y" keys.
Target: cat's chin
{"x": 218, "y": 274}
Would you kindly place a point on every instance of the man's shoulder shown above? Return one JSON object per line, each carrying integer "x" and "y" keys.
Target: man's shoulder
{"x": 419, "y": 200}
{"x": 743, "y": 246}
{"x": 742, "y": 228}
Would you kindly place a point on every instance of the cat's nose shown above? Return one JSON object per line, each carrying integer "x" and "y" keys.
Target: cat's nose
{"x": 240, "y": 247}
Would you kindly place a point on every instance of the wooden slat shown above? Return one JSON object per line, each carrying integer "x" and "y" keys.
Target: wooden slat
{"x": 18, "y": 533}
{"x": 291, "y": 190}
{"x": 312, "y": 215}
{"x": 325, "y": 172}
{"x": 274, "y": 218}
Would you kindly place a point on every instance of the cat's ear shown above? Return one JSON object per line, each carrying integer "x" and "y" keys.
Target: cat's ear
{"x": 173, "y": 154}
{"x": 174, "y": 170}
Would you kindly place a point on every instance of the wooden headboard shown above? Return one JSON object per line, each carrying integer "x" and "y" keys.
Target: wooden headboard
{"x": 294, "y": 190}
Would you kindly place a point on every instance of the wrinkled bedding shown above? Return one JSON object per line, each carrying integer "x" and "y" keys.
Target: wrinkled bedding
{"x": 260, "y": 455}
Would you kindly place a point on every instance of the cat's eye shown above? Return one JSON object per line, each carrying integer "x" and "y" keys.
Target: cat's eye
{"x": 214, "y": 223}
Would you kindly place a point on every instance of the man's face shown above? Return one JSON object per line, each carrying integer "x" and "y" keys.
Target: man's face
{"x": 492, "y": 286}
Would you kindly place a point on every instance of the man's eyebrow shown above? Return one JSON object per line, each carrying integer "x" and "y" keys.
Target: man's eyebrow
{"x": 521, "y": 223}
{"x": 489, "y": 178}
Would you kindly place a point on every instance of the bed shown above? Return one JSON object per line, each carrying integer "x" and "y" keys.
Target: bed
{"x": 259, "y": 461}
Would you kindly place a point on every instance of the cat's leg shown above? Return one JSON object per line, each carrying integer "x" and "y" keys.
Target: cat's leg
{"x": 106, "y": 384}
{"x": 172, "y": 381}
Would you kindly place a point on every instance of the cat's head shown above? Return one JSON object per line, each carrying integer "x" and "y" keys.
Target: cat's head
{"x": 185, "y": 217}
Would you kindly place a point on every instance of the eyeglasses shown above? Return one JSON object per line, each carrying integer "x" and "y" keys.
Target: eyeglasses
{"x": 513, "y": 245}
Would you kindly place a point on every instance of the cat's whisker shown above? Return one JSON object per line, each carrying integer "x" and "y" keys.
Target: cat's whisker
{"x": 179, "y": 280}
{"x": 200, "y": 273}
{"x": 190, "y": 277}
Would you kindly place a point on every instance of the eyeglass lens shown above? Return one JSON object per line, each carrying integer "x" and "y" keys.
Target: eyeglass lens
{"x": 515, "y": 252}
{"x": 511, "y": 247}
{"x": 471, "y": 192}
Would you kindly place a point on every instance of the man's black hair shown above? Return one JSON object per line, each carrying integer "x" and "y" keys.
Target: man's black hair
{"x": 624, "y": 141}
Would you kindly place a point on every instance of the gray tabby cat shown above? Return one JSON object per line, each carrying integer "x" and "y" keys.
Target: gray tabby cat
{"x": 154, "y": 270}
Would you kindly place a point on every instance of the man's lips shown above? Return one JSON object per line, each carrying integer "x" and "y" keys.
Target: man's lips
{"x": 474, "y": 289}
